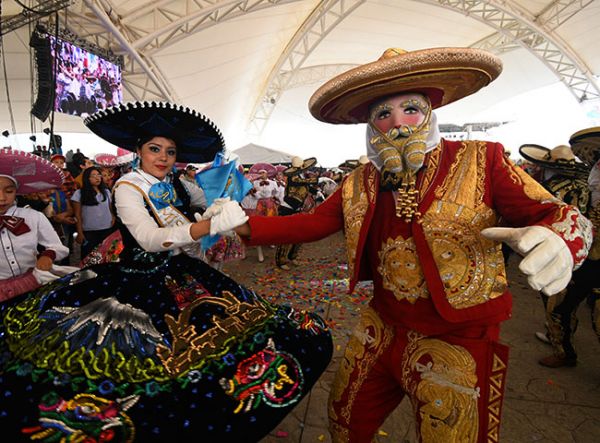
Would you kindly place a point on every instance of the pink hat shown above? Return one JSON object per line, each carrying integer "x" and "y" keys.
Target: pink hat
{"x": 110, "y": 160}
{"x": 267, "y": 167}
{"x": 32, "y": 173}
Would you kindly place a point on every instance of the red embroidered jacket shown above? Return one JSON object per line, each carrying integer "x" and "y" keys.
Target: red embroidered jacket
{"x": 438, "y": 265}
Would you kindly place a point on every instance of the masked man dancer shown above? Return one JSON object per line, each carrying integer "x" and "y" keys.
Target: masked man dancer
{"x": 419, "y": 221}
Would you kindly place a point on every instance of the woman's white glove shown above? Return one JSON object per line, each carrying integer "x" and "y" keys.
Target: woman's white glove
{"x": 57, "y": 271}
{"x": 214, "y": 209}
{"x": 548, "y": 263}
{"x": 231, "y": 216}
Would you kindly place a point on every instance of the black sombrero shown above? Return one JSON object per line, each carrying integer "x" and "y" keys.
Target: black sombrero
{"x": 197, "y": 137}
{"x": 586, "y": 144}
{"x": 559, "y": 158}
{"x": 306, "y": 164}
{"x": 349, "y": 165}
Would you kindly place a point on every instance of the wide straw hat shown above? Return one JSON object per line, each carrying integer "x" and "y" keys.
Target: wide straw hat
{"x": 559, "y": 158}
{"x": 443, "y": 74}
{"x": 586, "y": 145}
{"x": 306, "y": 164}
{"x": 198, "y": 139}
{"x": 32, "y": 172}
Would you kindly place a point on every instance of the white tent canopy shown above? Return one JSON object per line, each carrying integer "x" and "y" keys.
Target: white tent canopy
{"x": 251, "y": 66}
{"x": 251, "y": 154}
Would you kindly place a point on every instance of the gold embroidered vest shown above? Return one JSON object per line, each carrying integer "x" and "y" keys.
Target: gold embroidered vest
{"x": 470, "y": 267}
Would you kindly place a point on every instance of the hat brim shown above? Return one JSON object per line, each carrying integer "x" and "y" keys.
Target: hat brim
{"x": 443, "y": 74}
{"x": 197, "y": 138}
{"x": 539, "y": 155}
{"x": 586, "y": 145}
{"x": 306, "y": 164}
{"x": 349, "y": 164}
{"x": 32, "y": 172}
{"x": 112, "y": 161}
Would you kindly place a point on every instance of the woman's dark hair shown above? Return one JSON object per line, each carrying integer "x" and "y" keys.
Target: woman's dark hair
{"x": 88, "y": 193}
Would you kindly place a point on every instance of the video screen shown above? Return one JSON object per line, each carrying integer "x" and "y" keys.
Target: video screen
{"x": 85, "y": 83}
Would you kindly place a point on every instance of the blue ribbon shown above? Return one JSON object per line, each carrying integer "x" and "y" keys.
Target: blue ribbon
{"x": 163, "y": 194}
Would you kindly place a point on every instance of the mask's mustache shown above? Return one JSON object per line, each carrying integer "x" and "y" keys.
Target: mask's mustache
{"x": 403, "y": 131}
{"x": 407, "y": 150}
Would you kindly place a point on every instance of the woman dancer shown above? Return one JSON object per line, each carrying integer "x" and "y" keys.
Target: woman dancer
{"x": 159, "y": 346}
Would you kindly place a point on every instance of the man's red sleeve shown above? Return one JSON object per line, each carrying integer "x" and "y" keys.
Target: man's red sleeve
{"x": 324, "y": 220}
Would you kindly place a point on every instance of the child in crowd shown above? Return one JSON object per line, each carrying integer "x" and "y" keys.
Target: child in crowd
{"x": 22, "y": 230}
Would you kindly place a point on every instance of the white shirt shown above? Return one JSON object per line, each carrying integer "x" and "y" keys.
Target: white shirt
{"x": 329, "y": 185}
{"x": 280, "y": 195}
{"x": 19, "y": 252}
{"x": 197, "y": 197}
{"x": 129, "y": 202}
{"x": 249, "y": 202}
{"x": 265, "y": 191}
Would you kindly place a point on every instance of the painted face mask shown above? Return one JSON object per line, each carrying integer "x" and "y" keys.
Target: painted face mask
{"x": 401, "y": 147}
{"x": 400, "y": 130}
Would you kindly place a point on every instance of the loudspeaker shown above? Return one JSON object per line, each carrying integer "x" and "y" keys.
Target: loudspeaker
{"x": 40, "y": 42}
{"x": 55, "y": 144}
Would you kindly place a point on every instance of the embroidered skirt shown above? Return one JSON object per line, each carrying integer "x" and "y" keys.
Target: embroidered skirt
{"x": 169, "y": 351}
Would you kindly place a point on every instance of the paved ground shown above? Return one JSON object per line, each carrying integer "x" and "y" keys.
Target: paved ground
{"x": 541, "y": 404}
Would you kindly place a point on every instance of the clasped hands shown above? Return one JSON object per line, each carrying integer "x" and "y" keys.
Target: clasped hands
{"x": 547, "y": 261}
{"x": 224, "y": 216}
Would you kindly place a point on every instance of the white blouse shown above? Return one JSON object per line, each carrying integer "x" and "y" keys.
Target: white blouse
{"x": 132, "y": 211}
{"x": 267, "y": 190}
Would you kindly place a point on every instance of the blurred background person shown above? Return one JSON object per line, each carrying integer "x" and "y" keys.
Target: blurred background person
{"x": 197, "y": 197}
{"x": 297, "y": 198}
{"x": 93, "y": 211}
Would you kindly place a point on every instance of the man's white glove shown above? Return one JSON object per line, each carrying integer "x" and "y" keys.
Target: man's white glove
{"x": 231, "y": 216}
{"x": 548, "y": 263}
{"x": 214, "y": 209}
{"x": 44, "y": 277}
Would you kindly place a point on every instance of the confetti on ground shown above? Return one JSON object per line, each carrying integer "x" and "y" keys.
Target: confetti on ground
{"x": 318, "y": 283}
{"x": 281, "y": 434}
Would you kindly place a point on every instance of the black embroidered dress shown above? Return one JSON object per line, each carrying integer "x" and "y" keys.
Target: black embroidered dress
{"x": 155, "y": 348}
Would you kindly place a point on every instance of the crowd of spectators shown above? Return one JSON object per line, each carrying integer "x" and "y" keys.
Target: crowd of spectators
{"x": 81, "y": 210}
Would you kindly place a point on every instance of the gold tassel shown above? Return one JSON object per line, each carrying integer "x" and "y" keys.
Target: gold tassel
{"x": 407, "y": 198}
